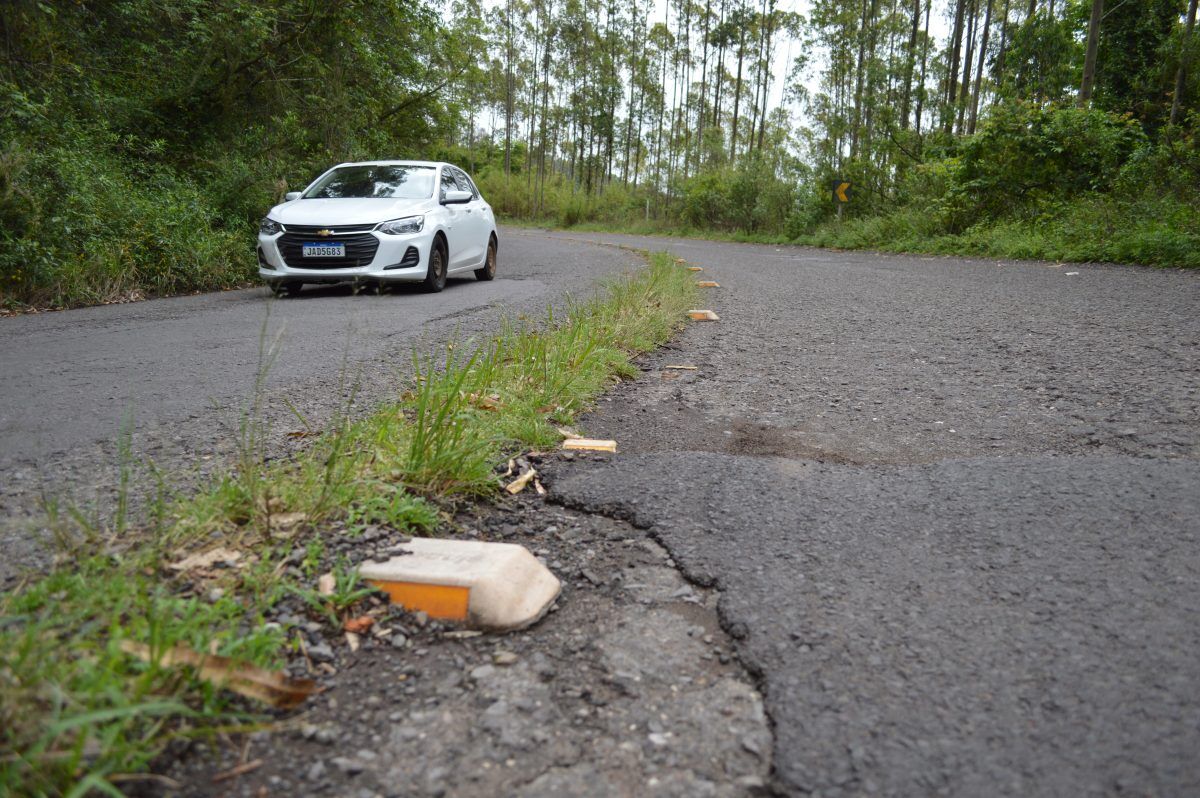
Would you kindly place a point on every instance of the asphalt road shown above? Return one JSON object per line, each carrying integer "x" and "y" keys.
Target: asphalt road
{"x": 952, "y": 507}
{"x": 181, "y": 372}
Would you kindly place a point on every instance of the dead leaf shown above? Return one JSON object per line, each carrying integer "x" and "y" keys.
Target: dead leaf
{"x": 682, "y": 368}
{"x": 695, "y": 269}
{"x": 511, "y": 467}
{"x": 207, "y": 559}
{"x": 461, "y": 634}
{"x": 352, "y": 640}
{"x": 326, "y": 584}
{"x": 287, "y": 520}
{"x": 537, "y": 485}
{"x": 359, "y": 625}
{"x": 707, "y": 284}
{"x": 519, "y": 484}
{"x": 240, "y": 770}
{"x": 568, "y": 433}
{"x": 704, "y": 315}
{"x": 271, "y": 687}
{"x": 680, "y": 261}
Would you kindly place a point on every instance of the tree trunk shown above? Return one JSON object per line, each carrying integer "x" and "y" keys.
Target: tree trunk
{"x": 972, "y": 25}
{"x": 924, "y": 65}
{"x": 1089, "y": 61}
{"x": 987, "y": 24}
{"x": 1181, "y": 73}
{"x": 998, "y": 72}
{"x": 737, "y": 90}
{"x": 911, "y": 66}
{"x": 952, "y": 75}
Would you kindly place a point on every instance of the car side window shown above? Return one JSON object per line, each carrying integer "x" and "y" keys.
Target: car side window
{"x": 448, "y": 182}
{"x": 464, "y": 182}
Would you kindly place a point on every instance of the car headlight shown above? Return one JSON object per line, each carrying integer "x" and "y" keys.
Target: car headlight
{"x": 269, "y": 227}
{"x": 400, "y": 227}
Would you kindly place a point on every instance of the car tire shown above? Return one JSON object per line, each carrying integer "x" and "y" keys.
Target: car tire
{"x": 286, "y": 290}
{"x": 435, "y": 275}
{"x": 488, "y": 272}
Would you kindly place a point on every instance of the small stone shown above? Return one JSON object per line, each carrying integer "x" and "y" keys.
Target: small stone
{"x": 398, "y": 640}
{"x": 656, "y": 739}
{"x": 215, "y": 595}
{"x": 321, "y": 652}
{"x": 421, "y": 618}
{"x": 316, "y": 771}
{"x": 351, "y": 767}
{"x": 504, "y": 658}
{"x": 482, "y": 672}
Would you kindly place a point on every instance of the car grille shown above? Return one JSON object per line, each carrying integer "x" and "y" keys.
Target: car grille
{"x": 360, "y": 247}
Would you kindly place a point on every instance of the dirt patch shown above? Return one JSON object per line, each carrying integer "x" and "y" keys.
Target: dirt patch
{"x": 628, "y": 687}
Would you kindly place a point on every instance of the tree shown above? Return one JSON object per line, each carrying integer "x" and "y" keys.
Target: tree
{"x": 1181, "y": 72}
{"x": 1089, "y": 63}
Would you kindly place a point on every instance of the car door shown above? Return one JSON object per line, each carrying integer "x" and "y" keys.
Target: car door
{"x": 457, "y": 222}
{"x": 476, "y": 225}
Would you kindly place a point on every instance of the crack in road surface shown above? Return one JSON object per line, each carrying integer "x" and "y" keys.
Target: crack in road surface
{"x": 951, "y": 506}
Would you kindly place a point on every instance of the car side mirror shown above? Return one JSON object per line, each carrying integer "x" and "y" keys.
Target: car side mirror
{"x": 457, "y": 197}
{"x": 291, "y": 195}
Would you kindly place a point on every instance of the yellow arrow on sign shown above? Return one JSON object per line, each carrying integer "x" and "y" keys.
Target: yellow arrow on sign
{"x": 841, "y": 192}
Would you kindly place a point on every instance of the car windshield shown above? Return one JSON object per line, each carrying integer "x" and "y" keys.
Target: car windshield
{"x": 374, "y": 181}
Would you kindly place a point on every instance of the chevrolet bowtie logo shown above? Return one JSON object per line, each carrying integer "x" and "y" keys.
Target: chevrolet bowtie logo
{"x": 324, "y": 233}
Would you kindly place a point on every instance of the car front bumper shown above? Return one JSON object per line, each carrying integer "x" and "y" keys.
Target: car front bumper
{"x": 393, "y": 262}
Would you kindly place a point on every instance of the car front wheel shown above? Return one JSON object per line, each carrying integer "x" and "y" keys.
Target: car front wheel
{"x": 435, "y": 276}
{"x": 488, "y": 272}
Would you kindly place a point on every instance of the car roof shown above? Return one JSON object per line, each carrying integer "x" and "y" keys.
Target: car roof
{"x": 396, "y": 163}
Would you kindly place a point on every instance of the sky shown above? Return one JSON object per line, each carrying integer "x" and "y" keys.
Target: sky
{"x": 788, "y": 48}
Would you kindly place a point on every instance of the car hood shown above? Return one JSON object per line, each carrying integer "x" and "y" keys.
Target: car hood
{"x": 330, "y": 212}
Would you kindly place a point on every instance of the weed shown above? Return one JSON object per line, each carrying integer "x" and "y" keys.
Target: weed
{"x": 347, "y": 592}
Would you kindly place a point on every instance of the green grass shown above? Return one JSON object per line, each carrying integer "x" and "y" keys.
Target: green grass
{"x": 1093, "y": 229}
{"x": 653, "y": 227}
{"x": 77, "y": 715}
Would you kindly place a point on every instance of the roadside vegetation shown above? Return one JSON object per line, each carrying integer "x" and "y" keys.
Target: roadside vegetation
{"x": 141, "y": 142}
{"x": 80, "y": 714}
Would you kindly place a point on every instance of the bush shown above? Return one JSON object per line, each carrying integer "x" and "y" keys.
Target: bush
{"x": 82, "y": 225}
{"x": 1025, "y": 153}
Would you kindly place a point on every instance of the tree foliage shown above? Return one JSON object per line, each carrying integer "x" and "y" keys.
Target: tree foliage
{"x": 142, "y": 140}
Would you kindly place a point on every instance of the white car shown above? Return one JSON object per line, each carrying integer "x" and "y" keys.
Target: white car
{"x": 379, "y": 222}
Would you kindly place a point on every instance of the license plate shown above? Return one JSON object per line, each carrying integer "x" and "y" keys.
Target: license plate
{"x": 324, "y": 250}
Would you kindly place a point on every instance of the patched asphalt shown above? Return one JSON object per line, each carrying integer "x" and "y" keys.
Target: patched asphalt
{"x": 952, "y": 507}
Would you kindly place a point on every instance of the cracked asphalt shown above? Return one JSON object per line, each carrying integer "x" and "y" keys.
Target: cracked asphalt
{"x": 952, "y": 508}
{"x": 949, "y": 507}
